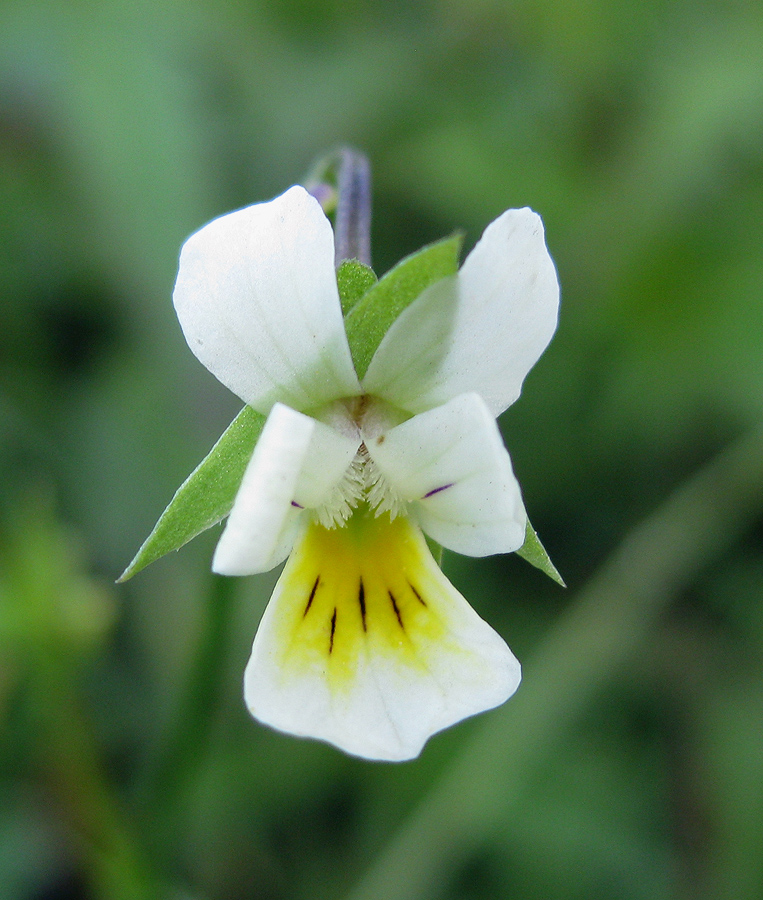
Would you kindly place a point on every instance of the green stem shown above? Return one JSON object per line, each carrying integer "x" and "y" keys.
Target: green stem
{"x": 595, "y": 639}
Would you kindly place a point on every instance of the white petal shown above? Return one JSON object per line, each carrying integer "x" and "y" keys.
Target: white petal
{"x": 296, "y": 463}
{"x": 257, "y": 299}
{"x": 328, "y": 458}
{"x": 450, "y": 463}
{"x": 365, "y": 644}
{"x": 481, "y": 331}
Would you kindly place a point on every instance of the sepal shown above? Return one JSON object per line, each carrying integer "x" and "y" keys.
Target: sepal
{"x": 206, "y": 496}
{"x": 370, "y": 318}
{"x": 534, "y": 552}
{"x": 353, "y": 281}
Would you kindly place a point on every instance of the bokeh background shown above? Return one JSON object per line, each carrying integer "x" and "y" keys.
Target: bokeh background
{"x": 630, "y": 763}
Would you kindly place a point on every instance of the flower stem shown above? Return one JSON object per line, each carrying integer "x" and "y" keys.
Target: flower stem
{"x": 341, "y": 182}
{"x": 353, "y": 211}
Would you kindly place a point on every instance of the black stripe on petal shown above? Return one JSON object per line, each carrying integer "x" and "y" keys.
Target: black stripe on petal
{"x": 362, "y": 602}
{"x": 417, "y": 594}
{"x": 312, "y": 595}
{"x": 333, "y": 629}
{"x": 397, "y": 610}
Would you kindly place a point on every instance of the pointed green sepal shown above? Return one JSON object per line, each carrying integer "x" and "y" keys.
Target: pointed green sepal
{"x": 435, "y": 549}
{"x": 535, "y": 553}
{"x": 353, "y": 280}
{"x": 207, "y": 495}
{"x": 371, "y": 316}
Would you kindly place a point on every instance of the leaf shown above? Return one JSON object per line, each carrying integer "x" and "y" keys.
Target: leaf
{"x": 371, "y": 316}
{"x": 353, "y": 280}
{"x": 207, "y": 495}
{"x": 535, "y": 553}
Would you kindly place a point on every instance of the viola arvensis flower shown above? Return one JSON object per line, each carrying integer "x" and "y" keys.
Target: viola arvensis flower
{"x": 365, "y": 643}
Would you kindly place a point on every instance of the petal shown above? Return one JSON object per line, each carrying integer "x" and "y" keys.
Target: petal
{"x": 450, "y": 463}
{"x": 257, "y": 299}
{"x": 365, "y": 644}
{"x": 481, "y": 331}
{"x": 296, "y": 464}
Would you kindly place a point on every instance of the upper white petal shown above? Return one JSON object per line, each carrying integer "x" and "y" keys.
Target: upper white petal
{"x": 257, "y": 299}
{"x": 450, "y": 463}
{"x": 482, "y": 330}
{"x": 296, "y": 463}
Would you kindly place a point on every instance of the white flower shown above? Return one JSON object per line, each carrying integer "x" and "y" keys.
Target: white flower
{"x": 365, "y": 643}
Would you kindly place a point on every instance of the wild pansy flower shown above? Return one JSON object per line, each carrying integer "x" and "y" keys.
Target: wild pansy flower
{"x": 365, "y": 643}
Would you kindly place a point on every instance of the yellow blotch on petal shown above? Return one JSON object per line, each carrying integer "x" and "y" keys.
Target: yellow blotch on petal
{"x": 370, "y": 587}
{"x": 366, "y": 644}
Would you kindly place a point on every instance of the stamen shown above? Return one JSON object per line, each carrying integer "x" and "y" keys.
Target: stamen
{"x": 362, "y": 483}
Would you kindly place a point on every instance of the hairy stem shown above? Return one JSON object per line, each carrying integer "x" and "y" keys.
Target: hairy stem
{"x": 341, "y": 182}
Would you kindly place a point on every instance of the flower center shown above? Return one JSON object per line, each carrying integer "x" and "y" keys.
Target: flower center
{"x": 362, "y": 483}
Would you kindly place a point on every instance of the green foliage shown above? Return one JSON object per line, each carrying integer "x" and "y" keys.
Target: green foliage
{"x": 370, "y": 318}
{"x": 207, "y": 495}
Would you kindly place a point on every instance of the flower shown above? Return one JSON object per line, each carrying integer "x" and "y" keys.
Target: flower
{"x": 365, "y": 643}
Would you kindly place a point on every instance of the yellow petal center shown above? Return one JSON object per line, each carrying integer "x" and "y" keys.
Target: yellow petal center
{"x": 369, "y": 587}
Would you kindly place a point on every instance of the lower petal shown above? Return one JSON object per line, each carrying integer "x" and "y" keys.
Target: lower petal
{"x": 366, "y": 644}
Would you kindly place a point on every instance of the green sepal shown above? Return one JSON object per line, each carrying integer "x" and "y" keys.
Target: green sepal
{"x": 534, "y": 552}
{"x": 371, "y": 316}
{"x": 435, "y": 549}
{"x": 207, "y": 495}
{"x": 353, "y": 280}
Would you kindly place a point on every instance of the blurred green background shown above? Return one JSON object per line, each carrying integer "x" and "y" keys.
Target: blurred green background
{"x": 630, "y": 763}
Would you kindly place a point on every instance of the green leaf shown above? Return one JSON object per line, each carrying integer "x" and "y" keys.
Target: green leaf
{"x": 353, "y": 280}
{"x": 207, "y": 495}
{"x": 535, "y": 553}
{"x": 371, "y": 316}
